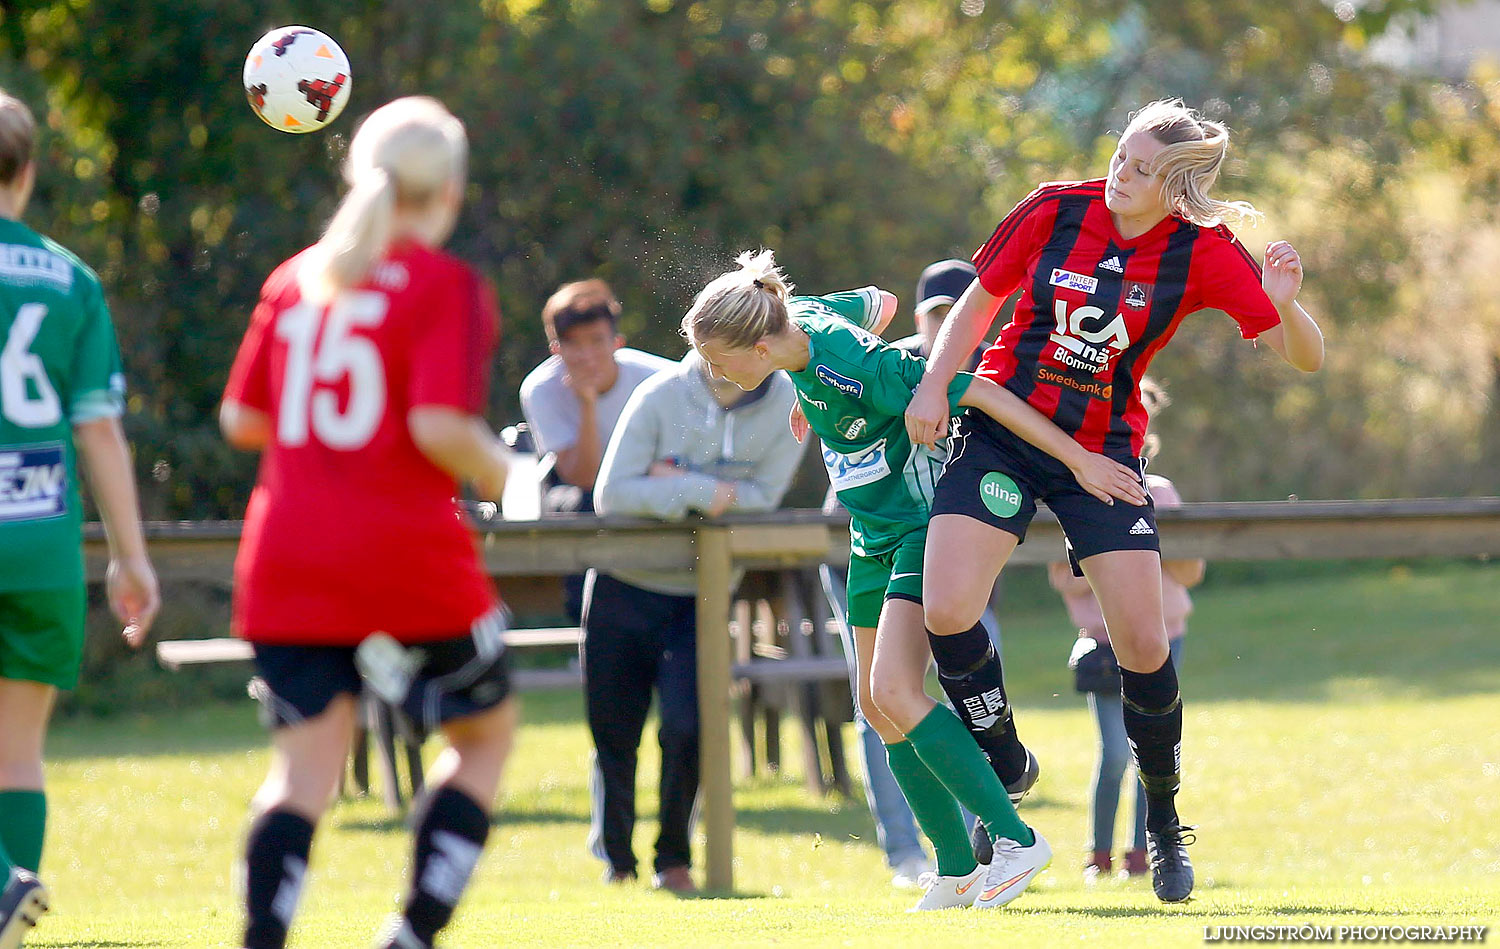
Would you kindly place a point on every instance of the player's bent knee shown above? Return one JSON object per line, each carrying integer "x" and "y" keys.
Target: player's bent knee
{"x": 896, "y": 702}
{"x": 877, "y": 720}
{"x": 948, "y": 613}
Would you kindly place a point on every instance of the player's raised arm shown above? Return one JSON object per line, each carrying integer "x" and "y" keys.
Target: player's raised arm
{"x": 1297, "y": 339}
{"x": 1102, "y": 477}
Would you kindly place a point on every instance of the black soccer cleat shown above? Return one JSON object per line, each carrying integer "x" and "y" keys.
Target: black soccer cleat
{"x": 979, "y": 837}
{"x": 1018, "y": 788}
{"x": 24, "y": 901}
{"x": 1171, "y": 870}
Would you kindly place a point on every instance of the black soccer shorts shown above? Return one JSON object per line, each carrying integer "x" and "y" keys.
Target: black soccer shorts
{"x": 996, "y": 477}
{"x": 458, "y": 677}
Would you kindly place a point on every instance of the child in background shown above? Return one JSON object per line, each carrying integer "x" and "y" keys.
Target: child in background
{"x": 1098, "y": 676}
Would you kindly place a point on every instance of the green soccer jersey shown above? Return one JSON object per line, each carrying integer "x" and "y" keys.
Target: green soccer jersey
{"x": 854, "y": 391}
{"x": 59, "y": 365}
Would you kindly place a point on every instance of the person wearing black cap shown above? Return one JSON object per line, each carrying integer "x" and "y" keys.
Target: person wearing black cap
{"x": 939, "y": 287}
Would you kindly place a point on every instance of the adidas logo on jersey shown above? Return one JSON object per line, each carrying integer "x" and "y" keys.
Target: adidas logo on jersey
{"x": 1113, "y": 264}
{"x": 1141, "y": 527}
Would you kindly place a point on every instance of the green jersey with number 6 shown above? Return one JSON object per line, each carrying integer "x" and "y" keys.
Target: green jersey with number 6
{"x": 59, "y": 365}
{"x": 854, "y": 391}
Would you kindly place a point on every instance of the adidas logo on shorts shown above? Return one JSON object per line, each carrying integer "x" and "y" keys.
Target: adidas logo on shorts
{"x": 1141, "y": 527}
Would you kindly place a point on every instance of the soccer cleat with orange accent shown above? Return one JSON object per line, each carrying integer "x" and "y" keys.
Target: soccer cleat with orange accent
{"x": 944, "y": 892}
{"x": 1012, "y": 870}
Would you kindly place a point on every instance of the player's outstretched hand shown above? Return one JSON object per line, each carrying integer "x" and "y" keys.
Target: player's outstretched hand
{"x": 1107, "y": 479}
{"x": 1281, "y": 277}
{"x": 134, "y": 596}
{"x": 798, "y": 421}
{"x": 927, "y": 415}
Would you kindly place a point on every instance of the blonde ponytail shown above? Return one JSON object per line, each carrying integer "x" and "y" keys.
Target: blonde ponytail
{"x": 1193, "y": 153}
{"x": 401, "y": 158}
{"x": 740, "y": 308}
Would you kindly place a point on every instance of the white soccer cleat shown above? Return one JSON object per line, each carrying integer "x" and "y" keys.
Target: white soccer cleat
{"x": 941, "y": 892}
{"x": 907, "y": 875}
{"x": 387, "y": 667}
{"x": 1011, "y": 871}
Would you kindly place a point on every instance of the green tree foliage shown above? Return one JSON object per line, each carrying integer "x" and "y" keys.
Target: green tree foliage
{"x": 646, "y": 141}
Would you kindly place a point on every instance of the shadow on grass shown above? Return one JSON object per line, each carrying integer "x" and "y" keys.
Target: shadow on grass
{"x": 97, "y": 944}
{"x": 504, "y": 818}
{"x": 719, "y": 895}
{"x": 1209, "y": 909}
{"x": 851, "y": 821}
{"x": 1417, "y": 629}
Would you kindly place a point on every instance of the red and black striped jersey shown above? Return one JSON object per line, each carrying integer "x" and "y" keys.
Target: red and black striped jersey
{"x": 1095, "y": 307}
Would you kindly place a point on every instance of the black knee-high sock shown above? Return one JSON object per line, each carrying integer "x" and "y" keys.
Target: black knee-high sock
{"x": 450, "y": 834}
{"x": 969, "y": 672}
{"x": 275, "y": 866}
{"x": 1153, "y": 723}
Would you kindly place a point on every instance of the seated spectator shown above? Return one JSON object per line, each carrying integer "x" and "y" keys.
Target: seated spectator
{"x": 685, "y": 443}
{"x": 573, "y": 399}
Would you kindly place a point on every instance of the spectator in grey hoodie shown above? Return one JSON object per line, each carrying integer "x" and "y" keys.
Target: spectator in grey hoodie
{"x": 684, "y": 443}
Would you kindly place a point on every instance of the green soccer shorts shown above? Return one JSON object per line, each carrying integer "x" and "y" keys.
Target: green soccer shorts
{"x": 41, "y": 635}
{"x": 897, "y": 574}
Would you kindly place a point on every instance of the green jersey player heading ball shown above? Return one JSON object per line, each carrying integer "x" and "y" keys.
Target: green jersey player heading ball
{"x": 853, "y": 389}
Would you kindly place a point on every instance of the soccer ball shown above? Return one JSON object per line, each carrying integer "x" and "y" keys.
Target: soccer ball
{"x": 297, "y": 79}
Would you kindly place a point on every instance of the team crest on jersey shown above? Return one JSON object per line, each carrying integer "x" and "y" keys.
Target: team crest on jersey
{"x": 856, "y": 468}
{"x": 1069, "y": 280}
{"x": 852, "y": 426}
{"x": 1137, "y": 295}
{"x": 850, "y": 387}
{"x": 33, "y": 482}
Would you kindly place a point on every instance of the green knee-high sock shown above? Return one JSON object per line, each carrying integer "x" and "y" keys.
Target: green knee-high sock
{"x": 23, "y": 824}
{"x": 934, "y": 808}
{"x": 945, "y": 746}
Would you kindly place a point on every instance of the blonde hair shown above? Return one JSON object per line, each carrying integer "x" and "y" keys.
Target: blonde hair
{"x": 404, "y": 154}
{"x": 17, "y": 137}
{"x": 1154, "y": 398}
{"x": 1193, "y": 152}
{"x": 743, "y": 306}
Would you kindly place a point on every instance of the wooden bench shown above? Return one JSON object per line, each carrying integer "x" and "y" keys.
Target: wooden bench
{"x": 377, "y": 720}
{"x": 776, "y": 673}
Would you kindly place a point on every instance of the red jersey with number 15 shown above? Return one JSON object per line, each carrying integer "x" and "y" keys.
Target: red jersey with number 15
{"x": 350, "y": 528}
{"x": 1095, "y": 307}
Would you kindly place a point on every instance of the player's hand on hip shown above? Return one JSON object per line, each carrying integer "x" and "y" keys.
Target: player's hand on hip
{"x": 798, "y": 422}
{"x": 927, "y": 415}
{"x": 134, "y": 596}
{"x": 1107, "y": 480}
{"x": 1281, "y": 277}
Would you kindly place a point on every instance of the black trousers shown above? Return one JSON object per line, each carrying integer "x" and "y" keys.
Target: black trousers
{"x": 634, "y": 640}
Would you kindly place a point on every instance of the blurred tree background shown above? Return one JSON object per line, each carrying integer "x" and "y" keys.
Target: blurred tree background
{"x": 646, "y": 141}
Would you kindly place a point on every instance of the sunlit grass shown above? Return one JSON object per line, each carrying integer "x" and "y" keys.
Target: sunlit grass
{"x": 1343, "y": 775}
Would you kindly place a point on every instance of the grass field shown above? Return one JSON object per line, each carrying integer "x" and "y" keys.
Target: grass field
{"x": 1342, "y": 760}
